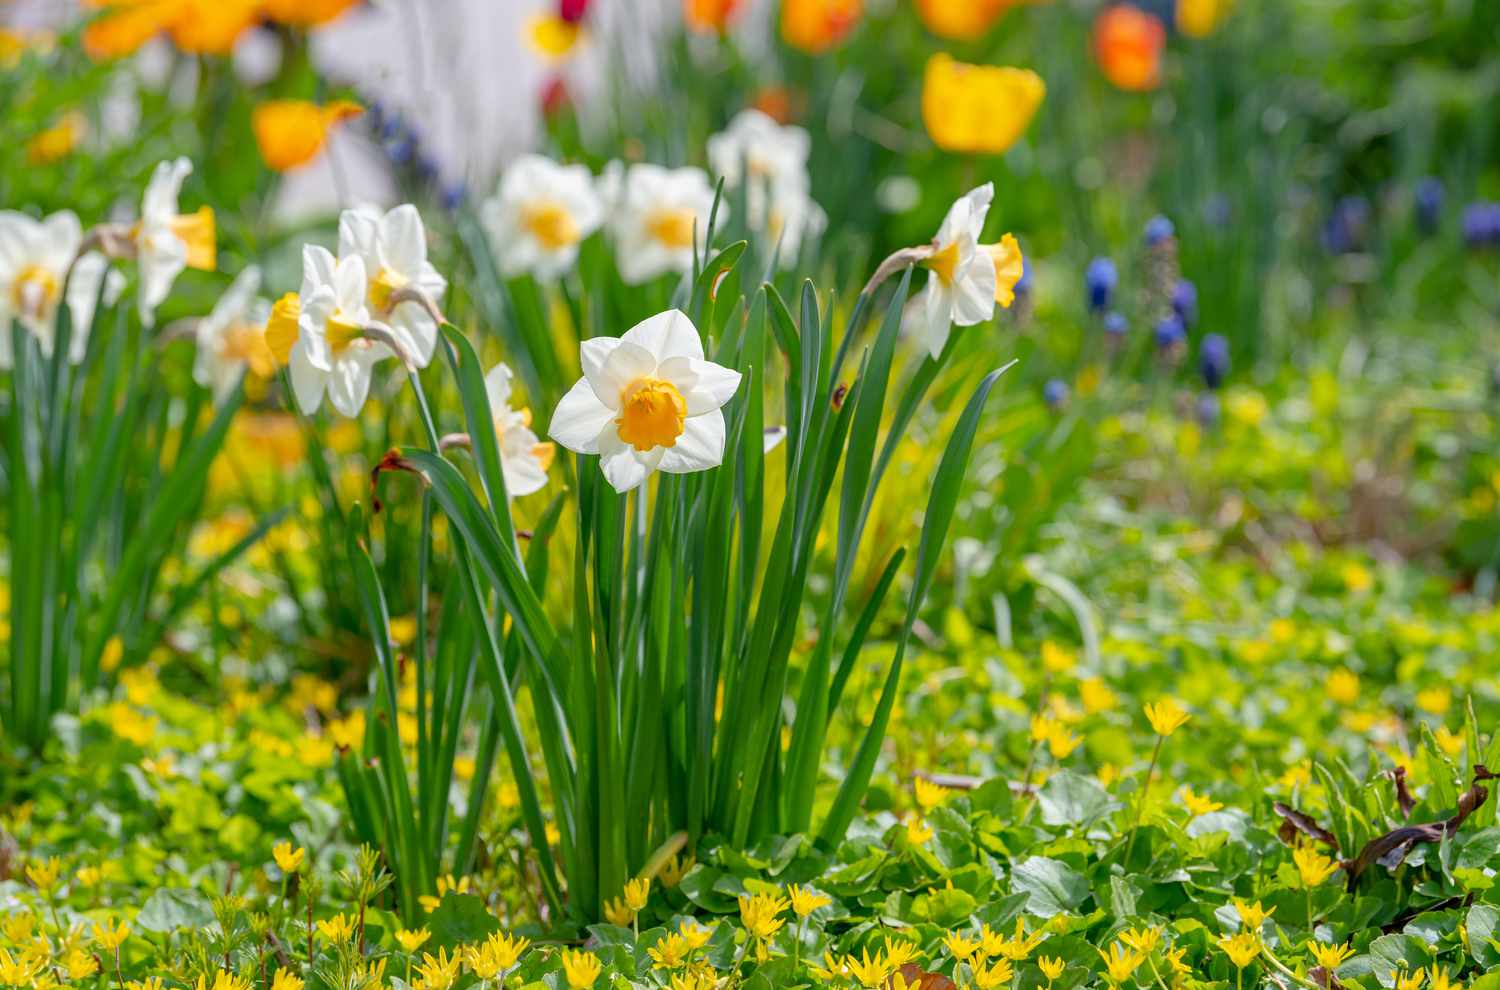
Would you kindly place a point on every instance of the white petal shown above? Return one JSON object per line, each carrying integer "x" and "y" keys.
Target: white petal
{"x": 579, "y": 419}
{"x": 626, "y": 363}
{"x": 667, "y": 335}
{"x": 318, "y": 265}
{"x": 160, "y": 202}
{"x": 523, "y": 474}
{"x": 497, "y": 388}
{"x": 416, "y": 330}
{"x": 349, "y": 384}
{"x": 403, "y": 241}
{"x": 974, "y": 292}
{"x": 350, "y": 286}
{"x": 705, "y": 385}
{"x": 624, "y": 468}
{"x": 359, "y": 233}
{"x": 83, "y": 291}
{"x": 700, "y": 447}
{"x": 307, "y": 381}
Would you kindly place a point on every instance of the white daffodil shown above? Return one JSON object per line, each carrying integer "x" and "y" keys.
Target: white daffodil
{"x": 770, "y": 161}
{"x": 34, "y": 259}
{"x": 232, "y": 337}
{"x": 655, "y": 217}
{"x": 166, "y": 241}
{"x": 963, "y": 281}
{"x": 647, "y": 401}
{"x": 540, "y": 214}
{"x": 393, "y": 248}
{"x": 331, "y": 353}
{"x": 523, "y": 458}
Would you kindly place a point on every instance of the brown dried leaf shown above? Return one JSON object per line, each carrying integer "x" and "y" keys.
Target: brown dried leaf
{"x": 1294, "y": 821}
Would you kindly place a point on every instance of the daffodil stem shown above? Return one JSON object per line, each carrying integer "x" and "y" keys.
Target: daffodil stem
{"x": 1140, "y": 801}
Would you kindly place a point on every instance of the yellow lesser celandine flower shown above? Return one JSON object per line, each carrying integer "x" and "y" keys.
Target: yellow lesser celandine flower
{"x": 1342, "y": 686}
{"x": 1166, "y": 716}
{"x": 1241, "y": 948}
{"x": 1435, "y": 700}
{"x": 1020, "y": 945}
{"x": 79, "y": 964}
{"x": 917, "y": 832}
{"x": 1198, "y": 804}
{"x": 960, "y": 946}
{"x": 898, "y": 952}
{"x": 496, "y": 954}
{"x": 285, "y": 979}
{"x": 43, "y": 873}
{"x": 17, "y": 926}
{"x": 1252, "y": 916}
{"x": 618, "y": 913}
{"x": 1312, "y": 866}
{"x": 291, "y": 133}
{"x": 997, "y": 974}
{"x": 1143, "y": 940}
{"x": 17, "y": 970}
{"x": 1201, "y": 18}
{"x": 1437, "y": 979}
{"x": 670, "y": 952}
{"x": 223, "y": 980}
{"x": 978, "y": 109}
{"x": 58, "y": 141}
{"x": 637, "y": 892}
{"x": 149, "y": 983}
{"x": 288, "y": 857}
{"x": 869, "y": 973}
{"x": 1120, "y": 962}
{"x": 1051, "y": 966}
{"x": 1408, "y": 981}
{"x": 1174, "y": 958}
{"x": 338, "y": 929}
{"x": 697, "y": 935}
{"x": 806, "y": 900}
{"x": 1096, "y": 695}
{"x": 412, "y": 940}
{"x": 929, "y": 795}
{"x": 1330, "y": 957}
{"x": 87, "y": 876}
{"x": 445, "y": 883}
{"x": 580, "y": 968}
{"x": 832, "y": 969}
{"x": 815, "y": 26}
{"x": 1057, "y": 659}
{"x": 760, "y": 914}
{"x": 439, "y": 972}
{"x": 110, "y": 936}
{"x": 695, "y": 978}
{"x": 675, "y": 868}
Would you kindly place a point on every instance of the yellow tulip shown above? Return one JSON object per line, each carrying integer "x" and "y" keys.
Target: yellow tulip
{"x": 978, "y": 108}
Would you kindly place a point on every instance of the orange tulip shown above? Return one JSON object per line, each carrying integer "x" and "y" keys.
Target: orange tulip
{"x": 290, "y": 133}
{"x": 709, "y": 15}
{"x": 126, "y": 25}
{"x": 1128, "y": 43}
{"x": 961, "y": 20}
{"x": 980, "y": 109}
{"x": 815, "y": 26}
{"x": 57, "y": 141}
{"x": 306, "y": 13}
{"x": 211, "y": 27}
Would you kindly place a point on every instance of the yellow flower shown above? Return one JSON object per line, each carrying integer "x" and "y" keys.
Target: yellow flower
{"x": 1448, "y": 741}
{"x": 1434, "y": 700}
{"x": 1252, "y": 916}
{"x": 1051, "y": 966}
{"x": 285, "y": 979}
{"x": 815, "y": 26}
{"x": 917, "y": 832}
{"x": 1198, "y": 804}
{"x": 1018, "y": 946}
{"x": 552, "y": 37}
{"x": 1357, "y": 577}
{"x": 1438, "y": 979}
{"x": 495, "y": 955}
{"x": 1120, "y": 962}
{"x": 670, "y": 952}
{"x": 697, "y": 935}
{"x": 618, "y": 913}
{"x": 338, "y": 929}
{"x": 1312, "y": 866}
{"x": 151, "y": 983}
{"x": 411, "y": 941}
{"x": 17, "y": 972}
{"x": 760, "y": 914}
{"x": 1330, "y": 957}
{"x": 960, "y": 946}
{"x": 1241, "y": 949}
{"x": 961, "y": 20}
{"x": 110, "y": 938}
{"x": 1166, "y": 717}
{"x": 674, "y": 869}
{"x": 1342, "y": 686}
{"x": 80, "y": 964}
{"x": 806, "y": 900}
{"x": 870, "y": 973}
{"x": 289, "y": 859}
{"x": 709, "y": 15}
{"x": 306, "y": 13}
{"x": 1143, "y": 941}
{"x": 1096, "y": 695}
{"x": 580, "y": 968}
{"x": 445, "y": 883}
{"x": 978, "y": 109}
{"x": 17, "y": 926}
{"x": 291, "y": 133}
{"x": 58, "y": 141}
{"x": 997, "y": 974}
{"x": 637, "y": 892}
{"x": 87, "y": 876}
{"x": 1200, "y": 18}
{"x": 348, "y": 733}
{"x": 929, "y": 795}
{"x": 1408, "y": 981}
{"x": 439, "y": 972}
{"x": 43, "y": 873}
{"x": 898, "y": 952}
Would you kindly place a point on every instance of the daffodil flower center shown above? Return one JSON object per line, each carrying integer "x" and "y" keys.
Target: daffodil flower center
{"x": 652, "y": 414}
{"x": 281, "y": 328}
{"x": 672, "y": 228}
{"x": 246, "y": 342}
{"x": 383, "y": 286}
{"x": 944, "y": 263}
{"x": 196, "y": 230}
{"x": 340, "y": 333}
{"x": 34, "y": 290}
{"x": 550, "y": 223}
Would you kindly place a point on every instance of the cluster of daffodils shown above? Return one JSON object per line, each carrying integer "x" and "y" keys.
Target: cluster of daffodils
{"x": 655, "y": 217}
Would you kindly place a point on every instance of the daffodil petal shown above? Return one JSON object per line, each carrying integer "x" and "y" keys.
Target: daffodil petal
{"x": 667, "y": 335}
{"x": 700, "y": 447}
{"x": 706, "y": 386}
{"x": 580, "y": 419}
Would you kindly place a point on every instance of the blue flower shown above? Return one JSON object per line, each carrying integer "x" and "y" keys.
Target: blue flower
{"x": 1170, "y": 332}
{"x": 453, "y": 195}
{"x": 1208, "y": 409}
{"x": 1101, "y": 278}
{"x": 1213, "y": 359}
{"x": 1481, "y": 224}
{"x": 1185, "y": 301}
{"x": 1429, "y": 201}
{"x": 1158, "y": 230}
{"x": 1115, "y": 324}
{"x": 1347, "y": 225}
{"x": 1055, "y": 392}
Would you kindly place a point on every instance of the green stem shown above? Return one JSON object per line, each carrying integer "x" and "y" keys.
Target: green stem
{"x": 1140, "y": 801}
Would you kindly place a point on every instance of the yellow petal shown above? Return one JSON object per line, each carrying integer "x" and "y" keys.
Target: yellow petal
{"x": 980, "y": 109}
{"x": 551, "y": 36}
{"x": 1008, "y": 269}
